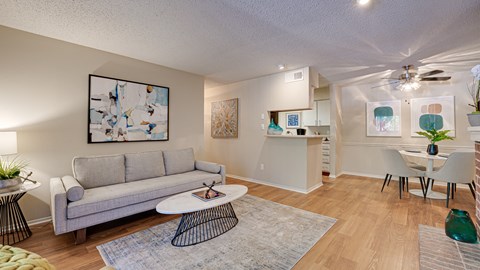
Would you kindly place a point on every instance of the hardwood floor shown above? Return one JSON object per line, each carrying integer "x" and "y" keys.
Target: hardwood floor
{"x": 374, "y": 230}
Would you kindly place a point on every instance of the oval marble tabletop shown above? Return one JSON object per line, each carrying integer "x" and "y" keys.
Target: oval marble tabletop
{"x": 187, "y": 203}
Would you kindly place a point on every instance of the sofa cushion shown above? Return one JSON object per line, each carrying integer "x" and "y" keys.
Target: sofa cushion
{"x": 74, "y": 189}
{"x": 97, "y": 171}
{"x": 179, "y": 161}
{"x": 207, "y": 166}
{"x": 139, "y": 166}
{"x": 106, "y": 198}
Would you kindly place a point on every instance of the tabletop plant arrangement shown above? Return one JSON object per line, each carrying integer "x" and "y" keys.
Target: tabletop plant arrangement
{"x": 474, "y": 91}
{"x": 434, "y": 136}
{"x": 10, "y": 174}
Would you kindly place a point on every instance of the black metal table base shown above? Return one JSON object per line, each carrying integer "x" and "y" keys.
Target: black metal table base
{"x": 203, "y": 225}
{"x": 13, "y": 226}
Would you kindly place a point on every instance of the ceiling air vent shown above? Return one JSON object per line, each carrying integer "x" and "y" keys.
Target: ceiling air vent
{"x": 293, "y": 76}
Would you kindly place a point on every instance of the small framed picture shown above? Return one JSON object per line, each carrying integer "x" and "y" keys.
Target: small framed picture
{"x": 293, "y": 120}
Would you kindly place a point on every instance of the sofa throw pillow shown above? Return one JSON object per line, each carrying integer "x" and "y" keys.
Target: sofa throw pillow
{"x": 98, "y": 171}
{"x": 74, "y": 189}
{"x": 179, "y": 161}
{"x": 144, "y": 165}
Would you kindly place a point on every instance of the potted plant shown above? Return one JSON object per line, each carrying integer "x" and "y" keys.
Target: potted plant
{"x": 474, "y": 91}
{"x": 10, "y": 171}
{"x": 434, "y": 136}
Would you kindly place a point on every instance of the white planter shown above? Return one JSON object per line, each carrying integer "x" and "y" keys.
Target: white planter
{"x": 474, "y": 119}
{"x": 10, "y": 185}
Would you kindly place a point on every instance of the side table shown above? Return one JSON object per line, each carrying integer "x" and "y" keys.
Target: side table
{"x": 13, "y": 226}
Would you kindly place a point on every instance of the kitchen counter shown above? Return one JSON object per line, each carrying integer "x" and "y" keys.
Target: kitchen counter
{"x": 298, "y": 136}
{"x": 295, "y": 161}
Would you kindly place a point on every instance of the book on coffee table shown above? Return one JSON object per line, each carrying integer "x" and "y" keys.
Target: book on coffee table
{"x": 212, "y": 195}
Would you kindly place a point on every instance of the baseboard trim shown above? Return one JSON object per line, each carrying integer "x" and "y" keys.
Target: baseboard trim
{"x": 365, "y": 175}
{"x": 39, "y": 221}
{"x": 333, "y": 176}
{"x": 256, "y": 181}
{"x": 314, "y": 187}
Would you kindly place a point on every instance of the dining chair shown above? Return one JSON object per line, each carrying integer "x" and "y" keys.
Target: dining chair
{"x": 395, "y": 165}
{"x": 413, "y": 165}
{"x": 458, "y": 169}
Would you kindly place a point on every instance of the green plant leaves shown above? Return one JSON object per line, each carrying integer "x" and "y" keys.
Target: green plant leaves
{"x": 434, "y": 135}
{"x": 11, "y": 169}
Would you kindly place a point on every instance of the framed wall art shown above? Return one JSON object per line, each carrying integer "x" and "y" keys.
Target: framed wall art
{"x": 225, "y": 119}
{"x": 293, "y": 120}
{"x": 126, "y": 111}
{"x": 384, "y": 118}
{"x": 432, "y": 112}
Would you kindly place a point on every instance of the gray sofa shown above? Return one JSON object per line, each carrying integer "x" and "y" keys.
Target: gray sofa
{"x": 105, "y": 188}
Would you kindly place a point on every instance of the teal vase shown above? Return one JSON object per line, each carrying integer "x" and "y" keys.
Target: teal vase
{"x": 459, "y": 226}
{"x": 273, "y": 129}
{"x": 279, "y": 129}
{"x": 272, "y": 125}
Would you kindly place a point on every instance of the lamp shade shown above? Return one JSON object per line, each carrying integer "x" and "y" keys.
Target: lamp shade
{"x": 8, "y": 143}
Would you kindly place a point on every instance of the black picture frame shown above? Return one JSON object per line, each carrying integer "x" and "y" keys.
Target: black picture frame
{"x": 127, "y": 111}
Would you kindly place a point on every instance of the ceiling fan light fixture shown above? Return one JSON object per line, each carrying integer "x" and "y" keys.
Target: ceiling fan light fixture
{"x": 363, "y": 2}
{"x": 409, "y": 86}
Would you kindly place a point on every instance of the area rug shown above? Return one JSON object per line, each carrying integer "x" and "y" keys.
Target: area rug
{"x": 268, "y": 236}
{"x": 438, "y": 251}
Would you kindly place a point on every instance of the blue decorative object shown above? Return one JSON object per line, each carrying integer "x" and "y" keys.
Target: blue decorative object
{"x": 273, "y": 129}
{"x": 279, "y": 130}
{"x": 459, "y": 226}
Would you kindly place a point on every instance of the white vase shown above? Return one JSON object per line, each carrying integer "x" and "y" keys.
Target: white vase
{"x": 474, "y": 119}
{"x": 10, "y": 185}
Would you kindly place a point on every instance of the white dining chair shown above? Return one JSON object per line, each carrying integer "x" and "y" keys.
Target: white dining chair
{"x": 413, "y": 165}
{"x": 395, "y": 165}
{"x": 458, "y": 169}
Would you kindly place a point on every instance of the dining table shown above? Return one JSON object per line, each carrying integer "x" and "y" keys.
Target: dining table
{"x": 429, "y": 168}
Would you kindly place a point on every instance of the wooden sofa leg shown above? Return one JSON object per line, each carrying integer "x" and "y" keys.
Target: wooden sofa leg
{"x": 80, "y": 236}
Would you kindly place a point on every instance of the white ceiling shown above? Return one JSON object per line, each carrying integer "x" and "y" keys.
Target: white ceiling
{"x": 233, "y": 40}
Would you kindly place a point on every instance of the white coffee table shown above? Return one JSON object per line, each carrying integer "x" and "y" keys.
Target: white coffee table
{"x": 202, "y": 221}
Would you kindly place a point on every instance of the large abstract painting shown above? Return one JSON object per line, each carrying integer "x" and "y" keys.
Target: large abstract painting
{"x": 433, "y": 112}
{"x": 225, "y": 118}
{"x": 125, "y": 111}
{"x": 384, "y": 118}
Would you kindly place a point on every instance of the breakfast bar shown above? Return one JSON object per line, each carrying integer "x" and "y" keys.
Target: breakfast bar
{"x": 297, "y": 160}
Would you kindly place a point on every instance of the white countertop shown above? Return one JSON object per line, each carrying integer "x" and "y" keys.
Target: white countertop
{"x": 298, "y": 136}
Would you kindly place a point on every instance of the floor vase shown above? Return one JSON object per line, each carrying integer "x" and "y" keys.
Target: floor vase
{"x": 459, "y": 226}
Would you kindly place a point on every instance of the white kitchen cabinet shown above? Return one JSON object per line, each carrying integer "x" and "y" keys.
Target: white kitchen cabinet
{"x": 319, "y": 116}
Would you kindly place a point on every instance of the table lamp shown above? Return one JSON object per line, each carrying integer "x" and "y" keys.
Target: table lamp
{"x": 8, "y": 143}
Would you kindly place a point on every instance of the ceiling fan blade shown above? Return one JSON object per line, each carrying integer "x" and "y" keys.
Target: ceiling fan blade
{"x": 390, "y": 83}
{"x": 430, "y": 73}
{"x": 436, "y": 79}
{"x": 396, "y": 79}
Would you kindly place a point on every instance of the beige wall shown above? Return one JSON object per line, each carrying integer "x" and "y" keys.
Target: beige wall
{"x": 356, "y": 144}
{"x": 322, "y": 93}
{"x": 44, "y": 94}
{"x": 336, "y": 145}
{"x": 243, "y": 155}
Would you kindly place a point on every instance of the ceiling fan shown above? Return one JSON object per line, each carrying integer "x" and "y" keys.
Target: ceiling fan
{"x": 409, "y": 79}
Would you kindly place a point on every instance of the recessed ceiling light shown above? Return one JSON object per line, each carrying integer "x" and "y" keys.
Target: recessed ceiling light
{"x": 281, "y": 66}
{"x": 363, "y": 2}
